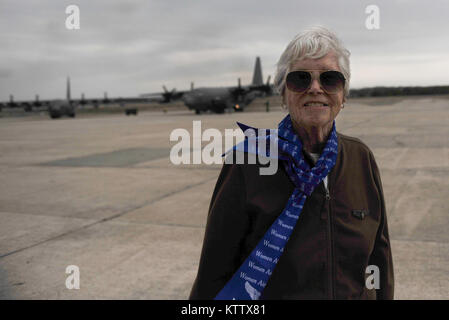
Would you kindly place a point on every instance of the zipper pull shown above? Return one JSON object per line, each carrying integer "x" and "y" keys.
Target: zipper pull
{"x": 328, "y": 196}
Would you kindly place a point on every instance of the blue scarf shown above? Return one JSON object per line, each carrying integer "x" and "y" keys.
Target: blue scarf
{"x": 252, "y": 276}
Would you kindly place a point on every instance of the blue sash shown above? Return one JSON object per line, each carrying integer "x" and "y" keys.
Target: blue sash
{"x": 252, "y": 276}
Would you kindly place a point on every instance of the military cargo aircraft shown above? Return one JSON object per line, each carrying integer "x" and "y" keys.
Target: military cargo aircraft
{"x": 60, "y": 108}
{"x": 222, "y": 98}
{"x": 66, "y": 107}
{"x": 215, "y": 99}
{"x": 219, "y": 99}
{"x": 26, "y": 105}
{"x": 56, "y": 108}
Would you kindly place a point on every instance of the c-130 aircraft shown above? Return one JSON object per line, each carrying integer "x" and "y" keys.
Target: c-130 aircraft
{"x": 67, "y": 107}
{"x": 55, "y": 107}
{"x": 215, "y": 99}
{"x": 220, "y": 99}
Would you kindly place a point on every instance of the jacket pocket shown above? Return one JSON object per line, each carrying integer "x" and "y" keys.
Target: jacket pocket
{"x": 360, "y": 213}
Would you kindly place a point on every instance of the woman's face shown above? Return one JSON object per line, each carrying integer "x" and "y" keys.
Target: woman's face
{"x": 321, "y": 115}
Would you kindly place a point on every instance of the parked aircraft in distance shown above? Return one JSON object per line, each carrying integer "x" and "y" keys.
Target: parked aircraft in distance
{"x": 219, "y": 99}
{"x": 62, "y": 104}
{"x": 215, "y": 99}
{"x": 26, "y": 105}
{"x": 60, "y": 108}
{"x": 56, "y": 107}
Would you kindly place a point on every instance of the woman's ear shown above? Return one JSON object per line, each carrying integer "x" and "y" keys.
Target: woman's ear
{"x": 284, "y": 105}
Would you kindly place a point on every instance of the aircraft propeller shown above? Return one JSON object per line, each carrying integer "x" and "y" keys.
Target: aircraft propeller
{"x": 239, "y": 92}
{"x": 168, "y": 96}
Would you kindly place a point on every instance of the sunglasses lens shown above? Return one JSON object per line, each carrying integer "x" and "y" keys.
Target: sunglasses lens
{"x": 332, "y": 81}
{"x": 298, "y": 81}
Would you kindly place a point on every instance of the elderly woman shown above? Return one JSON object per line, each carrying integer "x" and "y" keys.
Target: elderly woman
{"x": 317, "y": 228}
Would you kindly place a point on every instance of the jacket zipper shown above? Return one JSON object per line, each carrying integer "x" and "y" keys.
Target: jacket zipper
{"x": 330, "y": 245}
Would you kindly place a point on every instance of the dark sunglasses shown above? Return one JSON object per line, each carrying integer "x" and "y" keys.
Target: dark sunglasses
{"x": 300, "y": 81}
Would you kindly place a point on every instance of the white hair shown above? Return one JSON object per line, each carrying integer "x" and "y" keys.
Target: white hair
{"x": 313, "y": 43}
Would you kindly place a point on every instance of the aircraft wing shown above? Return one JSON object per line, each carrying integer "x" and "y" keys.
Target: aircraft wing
{"x": 27, "y": 105}
{"x": 106, "y": 100}
{"x": 164, "y": 97}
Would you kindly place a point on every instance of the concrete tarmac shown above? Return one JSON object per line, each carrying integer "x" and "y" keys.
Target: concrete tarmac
{"x": 100, "y": 192}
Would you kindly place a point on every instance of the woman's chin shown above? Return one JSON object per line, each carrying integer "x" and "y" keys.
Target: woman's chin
{"x": 316, "y": 121}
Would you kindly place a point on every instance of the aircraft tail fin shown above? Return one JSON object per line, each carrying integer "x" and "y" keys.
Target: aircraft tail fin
{"x": 257, "y": 75}
{"x": 68, "y": 89}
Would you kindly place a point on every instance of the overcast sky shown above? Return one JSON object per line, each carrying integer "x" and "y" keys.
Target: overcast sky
{"x": 132, "y": 47}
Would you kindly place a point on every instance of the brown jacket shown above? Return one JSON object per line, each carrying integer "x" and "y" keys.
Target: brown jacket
{"x": 339, "y": 232}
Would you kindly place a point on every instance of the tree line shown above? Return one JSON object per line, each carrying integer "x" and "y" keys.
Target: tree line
{"x": 397, "y": 91}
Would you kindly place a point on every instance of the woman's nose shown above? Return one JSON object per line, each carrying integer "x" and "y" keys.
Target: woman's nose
{"x": 315, "y": 87}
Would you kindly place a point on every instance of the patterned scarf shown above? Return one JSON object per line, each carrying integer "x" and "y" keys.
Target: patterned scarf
{"x": 250, "y": 279}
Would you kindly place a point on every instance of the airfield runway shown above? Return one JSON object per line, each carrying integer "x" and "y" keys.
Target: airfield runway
{"x": 100, "y": 192}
